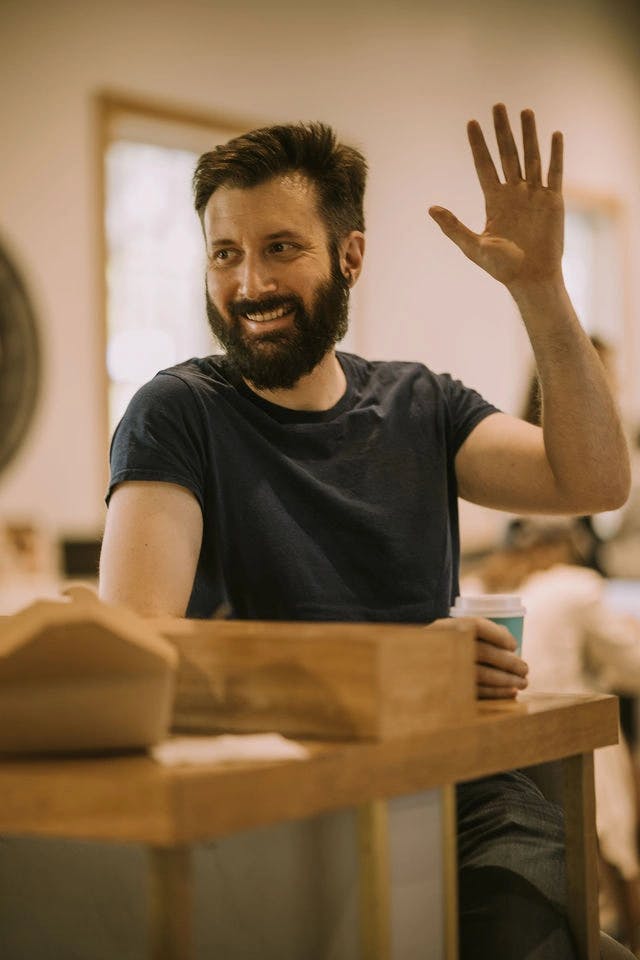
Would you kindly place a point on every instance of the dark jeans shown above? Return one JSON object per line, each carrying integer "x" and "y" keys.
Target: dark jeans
{"x": 512, "y": 874}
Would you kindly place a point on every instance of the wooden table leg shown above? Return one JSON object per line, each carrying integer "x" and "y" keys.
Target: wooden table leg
{"x": 581, "y": 853}
{"x": 450, "y": 871}
{"x": 430, "y": 826}
{"x": 374, "y": 879}
{"x": 171, "y": 903}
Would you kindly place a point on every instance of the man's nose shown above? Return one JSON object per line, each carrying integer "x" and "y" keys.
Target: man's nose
{"x": 256, "y": 279}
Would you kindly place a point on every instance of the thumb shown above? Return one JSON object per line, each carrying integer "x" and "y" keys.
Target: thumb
{"x": 466, "y": 239}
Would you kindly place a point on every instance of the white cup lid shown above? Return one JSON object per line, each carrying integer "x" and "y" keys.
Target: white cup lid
{"x": 488, "y": 605}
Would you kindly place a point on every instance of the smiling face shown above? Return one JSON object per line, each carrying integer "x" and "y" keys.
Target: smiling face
{"x": 277, "y": 296}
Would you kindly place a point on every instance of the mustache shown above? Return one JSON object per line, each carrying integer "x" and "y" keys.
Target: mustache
{"x": 241, "y": 307}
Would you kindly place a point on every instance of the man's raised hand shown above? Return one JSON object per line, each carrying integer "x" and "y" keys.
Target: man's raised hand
{"x": 523, "y": 237}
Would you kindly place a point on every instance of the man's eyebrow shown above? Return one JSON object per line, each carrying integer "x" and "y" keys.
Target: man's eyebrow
{"x": 284, "y": 234}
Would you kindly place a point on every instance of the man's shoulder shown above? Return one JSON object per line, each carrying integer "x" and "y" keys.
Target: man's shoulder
{"x": 196, "y": 377}
{"x": 176, "y": 392}
{"x": 410, "y": 376}
{"x": 198, "y": 372}
{"x": 386, "y": 369}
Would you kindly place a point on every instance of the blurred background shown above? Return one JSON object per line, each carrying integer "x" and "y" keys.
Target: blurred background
{"x": 104, "y": 108}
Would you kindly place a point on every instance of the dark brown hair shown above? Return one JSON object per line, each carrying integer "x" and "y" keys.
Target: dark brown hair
{"x": 338, "y": 171}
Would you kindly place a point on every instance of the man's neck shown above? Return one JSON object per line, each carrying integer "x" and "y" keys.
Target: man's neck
{"x": 319, "y": 390}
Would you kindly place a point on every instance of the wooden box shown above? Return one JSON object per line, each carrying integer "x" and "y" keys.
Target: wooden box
{"x": 82, "y": 676}
{"x": 328, "y": 680}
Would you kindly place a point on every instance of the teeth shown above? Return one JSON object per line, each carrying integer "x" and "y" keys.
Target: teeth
{"x": 270, "y": 315}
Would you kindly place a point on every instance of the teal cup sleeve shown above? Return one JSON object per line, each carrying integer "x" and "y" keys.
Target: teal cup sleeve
{"x": 514, "y": 626}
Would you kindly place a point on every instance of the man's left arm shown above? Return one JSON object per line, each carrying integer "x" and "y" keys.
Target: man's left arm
{"x": 578, "y": 462}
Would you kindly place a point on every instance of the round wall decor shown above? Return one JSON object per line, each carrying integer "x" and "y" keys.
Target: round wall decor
{"x": 20, "y": 360}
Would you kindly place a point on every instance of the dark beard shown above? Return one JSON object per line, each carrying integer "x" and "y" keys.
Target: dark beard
{"x": 276, "y": 361}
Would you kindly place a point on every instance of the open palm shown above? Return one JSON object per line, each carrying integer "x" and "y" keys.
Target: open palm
{"x": 523, "y": 236}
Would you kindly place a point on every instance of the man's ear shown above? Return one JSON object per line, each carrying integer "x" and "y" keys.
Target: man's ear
{"x": 351, "y": 251}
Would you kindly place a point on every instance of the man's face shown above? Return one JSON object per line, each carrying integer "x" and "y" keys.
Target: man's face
{"x": 276, "y": 298}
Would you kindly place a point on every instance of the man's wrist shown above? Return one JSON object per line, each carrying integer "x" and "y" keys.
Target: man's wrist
{"x": 545, "y": 293}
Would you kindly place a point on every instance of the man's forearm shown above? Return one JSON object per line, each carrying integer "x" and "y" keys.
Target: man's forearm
{"x": 583, "y": 433}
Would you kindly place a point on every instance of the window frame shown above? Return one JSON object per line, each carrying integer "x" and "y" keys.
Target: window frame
{"x": 613, "y": 210}
{"x": 111, "y": 110}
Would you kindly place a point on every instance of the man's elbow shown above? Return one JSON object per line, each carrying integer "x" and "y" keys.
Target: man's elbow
{"x": 604, "y": 493}
{"x": 619, "y": 483}
{"x": 618, "y": 495}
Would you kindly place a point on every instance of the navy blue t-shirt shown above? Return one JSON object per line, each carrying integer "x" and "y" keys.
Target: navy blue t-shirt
{"x": 344, "y": 514}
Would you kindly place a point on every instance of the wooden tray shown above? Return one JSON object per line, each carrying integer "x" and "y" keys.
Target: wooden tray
{"x": 329, "y": 680}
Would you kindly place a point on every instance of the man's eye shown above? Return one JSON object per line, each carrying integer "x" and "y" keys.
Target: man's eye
{"x": 221, "y": 256}
{"x": 281, "y": 246}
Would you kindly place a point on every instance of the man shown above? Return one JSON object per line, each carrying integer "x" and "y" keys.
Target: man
{"x": 285, "y": 480}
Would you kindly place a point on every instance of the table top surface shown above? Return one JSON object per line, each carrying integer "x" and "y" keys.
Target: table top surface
{"x": 132, "y": 798}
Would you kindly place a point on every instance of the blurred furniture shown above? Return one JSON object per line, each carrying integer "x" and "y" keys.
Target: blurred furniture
{"x": 80, "y": 557}
{"x": 623, "y": 595}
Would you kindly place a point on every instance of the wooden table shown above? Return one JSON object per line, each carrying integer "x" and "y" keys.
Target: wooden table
{"x": 133, "y": 799}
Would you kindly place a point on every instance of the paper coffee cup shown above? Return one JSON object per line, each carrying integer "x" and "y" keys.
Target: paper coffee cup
{"x": 503, "y": 608}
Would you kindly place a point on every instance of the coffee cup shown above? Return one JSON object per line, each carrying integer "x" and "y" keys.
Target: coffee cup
{"x": 503, "y": 608}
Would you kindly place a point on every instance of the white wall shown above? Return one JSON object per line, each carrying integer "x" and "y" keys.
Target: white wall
{"x": 400, "y": 79}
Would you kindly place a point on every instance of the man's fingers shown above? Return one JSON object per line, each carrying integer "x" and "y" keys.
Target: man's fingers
{"x": 506, "y": 144}
{"x": 466, "y": 239}
{"x": 504, "y": 661}
{"x": 490, "y": 677}
{"x": 485, "y": 167}
{"x": 532, "y": 166}
{"x": 496, "y": 693}
{"x": 500, "y": 672}
{"x": 494, "y": 633}
{"x": 554, "y": 180}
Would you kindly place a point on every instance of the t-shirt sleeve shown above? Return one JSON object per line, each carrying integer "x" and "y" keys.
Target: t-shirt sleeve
{"x": 161, "y": 437}
{"x": 465, "y": 408}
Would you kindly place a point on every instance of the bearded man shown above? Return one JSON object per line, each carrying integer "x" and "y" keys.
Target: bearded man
{"x": 286, "y": 480}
